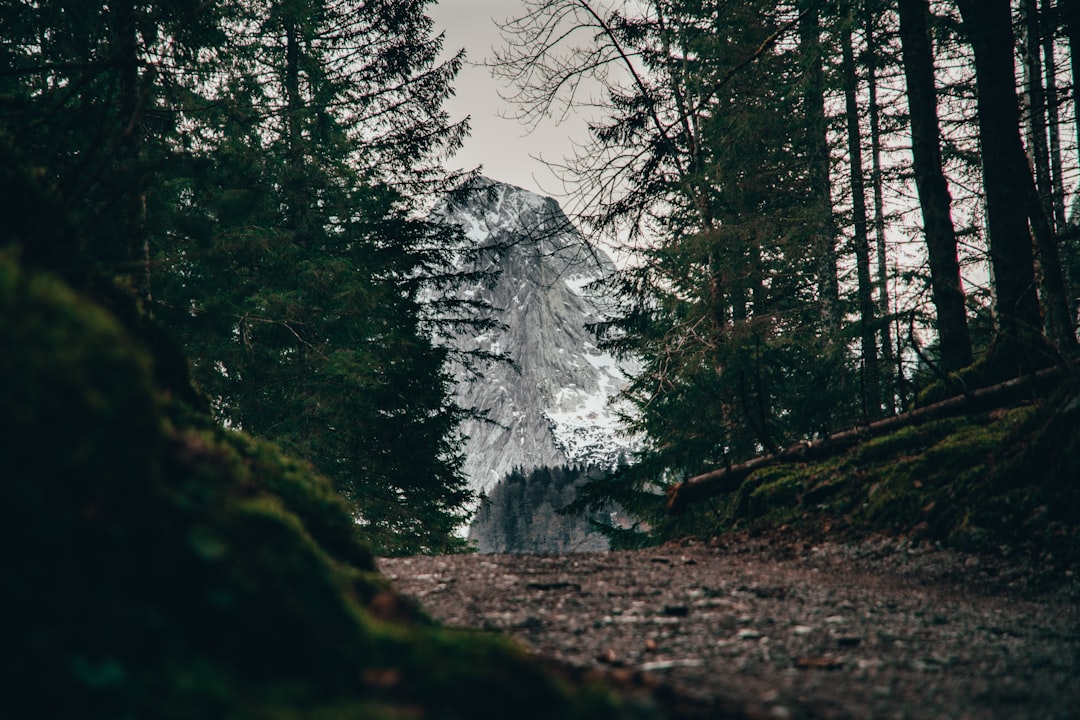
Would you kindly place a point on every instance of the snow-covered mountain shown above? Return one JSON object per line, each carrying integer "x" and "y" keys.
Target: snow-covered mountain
{"x": 551, "y": 406}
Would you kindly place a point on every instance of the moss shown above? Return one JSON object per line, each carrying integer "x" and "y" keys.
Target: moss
{"x": 160, "y": 566}
{"x": 777, "y": 491}
{"x": 905, "y": 441}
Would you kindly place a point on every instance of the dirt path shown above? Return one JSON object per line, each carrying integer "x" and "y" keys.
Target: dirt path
{"x": 774, "y": 629}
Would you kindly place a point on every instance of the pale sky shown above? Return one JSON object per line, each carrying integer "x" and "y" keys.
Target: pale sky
{"x": 501, "y": 144}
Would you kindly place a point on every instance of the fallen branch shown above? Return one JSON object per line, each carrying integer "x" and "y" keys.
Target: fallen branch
{"x": 728, "y": 479}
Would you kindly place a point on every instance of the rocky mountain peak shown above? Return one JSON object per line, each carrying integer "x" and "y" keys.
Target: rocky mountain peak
{"x": 550, "y": 404}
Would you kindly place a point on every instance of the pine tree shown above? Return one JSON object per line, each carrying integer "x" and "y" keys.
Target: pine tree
{"x": 932, "y": 186}
{"x": 1012, "y": 198}
{"x": 299, "y": 286}
{"x": 871, "y": 372}
{"x": 91, "y": 95}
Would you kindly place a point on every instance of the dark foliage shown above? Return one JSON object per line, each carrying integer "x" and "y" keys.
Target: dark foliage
{"x": 250, "y": 172}
{"x": 528, "y": 513}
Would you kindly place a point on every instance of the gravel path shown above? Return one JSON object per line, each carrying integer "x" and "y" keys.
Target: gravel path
{"x": 760, "y": 628}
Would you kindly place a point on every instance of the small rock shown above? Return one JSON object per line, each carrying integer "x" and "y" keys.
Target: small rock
{"x": 608, "y": 657}
{"x": 818, "y": 663}
{"x": 749, "y": 635}
{"x": 557, "y": 585}
{"x": 668, "y": 664}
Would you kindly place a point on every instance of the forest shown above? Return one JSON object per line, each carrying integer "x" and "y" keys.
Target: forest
{"x": 222, "y": 303}
{"x": 521, "y": 513}
{"x": 835, "y": 211}
{"x": 827, "y": 206}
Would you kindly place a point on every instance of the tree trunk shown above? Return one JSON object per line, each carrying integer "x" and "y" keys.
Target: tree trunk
{"x": 1053, "y": 101}
{"x": 871, "y": 377}
{"x": 818, "y": 158}
{"x": 876, "y": 180}
{"x": 934, "y": 198}
{"x": 1069, "y": 13}
{"x": 1040, "y": 211}
{"x": 134, "y": 256}
{"x": 295, "y": 191}
{"x": 1036, "y": 101}
{"x": 1069, "y": 18}
{"x": 1006, "y": 179}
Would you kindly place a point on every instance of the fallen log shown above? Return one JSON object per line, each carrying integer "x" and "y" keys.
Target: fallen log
{"x": 728, "y": 479}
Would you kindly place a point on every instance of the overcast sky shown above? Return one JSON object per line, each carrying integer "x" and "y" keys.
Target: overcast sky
{"x": 501, "y": 144}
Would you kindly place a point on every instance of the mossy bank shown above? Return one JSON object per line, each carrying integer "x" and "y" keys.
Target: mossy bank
{"x": 157, "y": 565}
{"x": 1002, "y": 481}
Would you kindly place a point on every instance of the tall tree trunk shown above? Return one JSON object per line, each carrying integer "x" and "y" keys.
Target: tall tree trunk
{"x": 134, "y": 255}
{"x": 295, "y": 191}
{"x": 818, "y": 159}
{"x": 1069, "y": 13}
{"x": 1049, "y": 268}
{"x": 1038, "y": 148}
{"x": 871, "y": 379}
{"x": 934, "y": 198}
{"x": 876, "y": 180}
{"x": 1053, "y": 102}
{"x": 1069, "y": 18}
{"x": 1011, "y": 196}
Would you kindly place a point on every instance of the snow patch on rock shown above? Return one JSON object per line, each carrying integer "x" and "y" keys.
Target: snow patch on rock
{"x": 553, "y": 404}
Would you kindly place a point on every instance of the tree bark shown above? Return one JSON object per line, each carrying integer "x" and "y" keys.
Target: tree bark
{"x": 871, "y": 377}
{"x": 934, "y": 198}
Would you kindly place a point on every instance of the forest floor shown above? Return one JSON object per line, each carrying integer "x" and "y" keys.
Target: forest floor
{"x": 777, "y": 627}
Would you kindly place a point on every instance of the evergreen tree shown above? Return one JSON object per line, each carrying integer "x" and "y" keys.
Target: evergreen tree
{"x": 719, "y": 158}
{"x": 932, "y": 186}
{"x": 1012, "y": 198}
{"x": 91, "y": 95}
{"x": 528, "y": 512}
{"x": 253, "y": 172}
{"x": 300, "y": 287}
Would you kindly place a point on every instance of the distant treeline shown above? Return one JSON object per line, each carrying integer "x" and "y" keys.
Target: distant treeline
{"x": 522, "y": 513}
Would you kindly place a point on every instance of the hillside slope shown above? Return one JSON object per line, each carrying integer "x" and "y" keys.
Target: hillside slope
{"x": 999, "y": 480}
